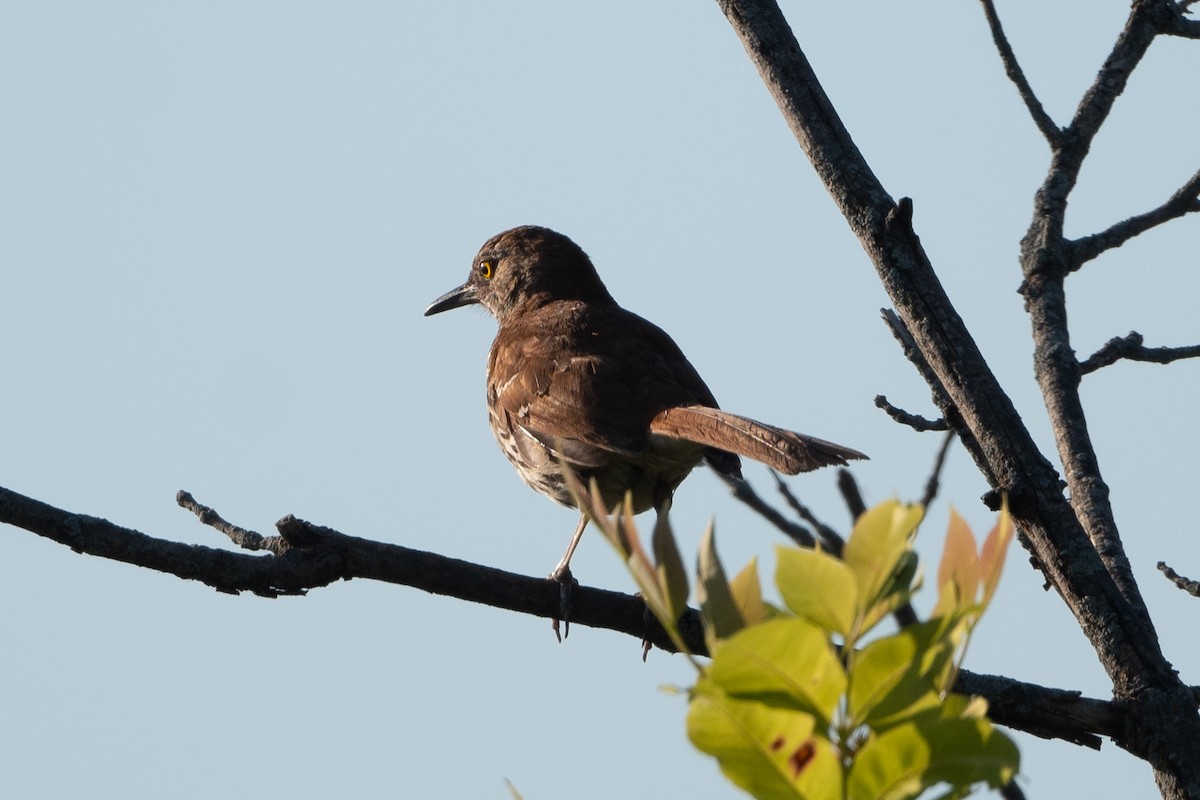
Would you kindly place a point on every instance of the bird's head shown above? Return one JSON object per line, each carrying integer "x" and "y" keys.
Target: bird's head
{"x": 524, "y": 268}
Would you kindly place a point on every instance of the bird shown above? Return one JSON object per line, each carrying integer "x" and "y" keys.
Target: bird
{"x": 575, "y": 381}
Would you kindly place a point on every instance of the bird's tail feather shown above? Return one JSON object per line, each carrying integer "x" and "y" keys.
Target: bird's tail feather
{"x": 782, "y": 450}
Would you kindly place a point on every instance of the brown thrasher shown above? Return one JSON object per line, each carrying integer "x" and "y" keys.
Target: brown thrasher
{"x": 575, "y": 381}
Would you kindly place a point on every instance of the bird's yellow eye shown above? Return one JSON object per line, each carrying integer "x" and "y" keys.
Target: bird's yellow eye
{"x": 485, "y": 270}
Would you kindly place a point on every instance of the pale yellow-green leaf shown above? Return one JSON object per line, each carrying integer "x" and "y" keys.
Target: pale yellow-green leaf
{"x": 787, "y": 662}
{"x": 873, "y": 552}
{"x": 720, "y": 612}
{"x": 747, "y": 594}
{"x": 897, "y": 677}
{"x": 672, "y": 576}
{"x": 818, "y": 587}
{"x": 903, "y": 761}
{"x": 773, "y": 753}
{"x": 958, "y": 572}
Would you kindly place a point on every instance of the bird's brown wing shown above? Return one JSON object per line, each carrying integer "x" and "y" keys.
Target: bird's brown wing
{"x": 585, "y": 382}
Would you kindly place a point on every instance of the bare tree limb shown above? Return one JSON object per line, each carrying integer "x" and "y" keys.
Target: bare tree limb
{"x": 1130, "y": 348}
{"x": 1045, "y": 124}
{"x": 743, "y": 491}
{"x": 932, "y": 485}
{"x": 914, "y": 421}
{"x": 245, "y": 539}
{"x": 317, "y": 556}
{"x": 1181, "y": 25}
{"x": 1074, "y": 543}
{"x": 848, "y": 487}
{"x": 1185, "y": 201}
{"x": 1187, "y": 584}
{"x": 831, "y": 540}
{"x": 1045, "y": 262}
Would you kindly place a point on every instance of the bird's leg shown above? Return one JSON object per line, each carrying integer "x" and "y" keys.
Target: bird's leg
{"x": 566, "y": 582}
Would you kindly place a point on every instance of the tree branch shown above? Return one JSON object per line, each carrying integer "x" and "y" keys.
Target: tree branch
{"x": 1185, "y": 201}
{"x": 245, "y": 539}
{"x": 1046, "y": 259}
{"x": 1104, "y": 600}
{"x": 316, "y": 556}
{"x": 1187, "y": 584}
{"x": 914, "y": 421}
{"x": 1181, "y": 25}
{"x": 1044, "y": 123}
{"x": 1130, "y": 348}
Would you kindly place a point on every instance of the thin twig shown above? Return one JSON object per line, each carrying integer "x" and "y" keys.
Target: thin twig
{"x": 1185, "y": 200}
{"x": 831, "y": 540}
{"x": 1130, "y": 348}
{"x": 1187, "y": 584}
{"x": 1045, "y": 124}
{"x": 914, "y": 421}
{"x": 742, "y": 490}
{"x": 851, "y": 494}
{"x": 246, "y": 539}
{"x": 932, "y": 485}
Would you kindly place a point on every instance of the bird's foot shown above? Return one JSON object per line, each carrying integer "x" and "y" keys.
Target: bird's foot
{"x": 566, "y": 586}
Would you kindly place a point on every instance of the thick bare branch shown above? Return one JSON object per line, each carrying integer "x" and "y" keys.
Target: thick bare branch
{"x": 1103, "y": 599}
{"x": 317, "y": 556}
{"x": 1046, "y": 259}
{"x": 1130, "y": 348}
{"x": 1044, "y": 123}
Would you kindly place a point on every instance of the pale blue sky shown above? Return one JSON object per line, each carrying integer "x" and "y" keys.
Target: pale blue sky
{"x": 222, "y": 222}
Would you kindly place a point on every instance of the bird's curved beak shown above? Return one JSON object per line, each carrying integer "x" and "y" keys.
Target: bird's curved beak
{"x": 464, "y": 295}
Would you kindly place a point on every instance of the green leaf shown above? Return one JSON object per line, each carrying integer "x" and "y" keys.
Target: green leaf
{"x": 672, "y": 576}
{"x": 747, "y": 595}
{"x": 874, "y": 551}
{"x": 721, "y": 616}
{"x": 784, "y": 662}
{"x": 897, "y": 677}
{"x": 818, "y": 587}
{"x": 774, "y": 753}
{"x": 903, "y": 761}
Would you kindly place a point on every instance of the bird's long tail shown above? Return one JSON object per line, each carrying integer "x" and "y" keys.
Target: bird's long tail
{"x": 782, "y": 450}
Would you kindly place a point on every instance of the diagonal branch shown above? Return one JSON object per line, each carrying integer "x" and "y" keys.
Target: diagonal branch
{"x": 1131, "y": 348}
{"x": 317, "y": 556}
{"x": 245, "y": 539}
{"x": 1045, "y": 124}
{"x": 1112, "y": 616}
{"x": 1186, "y": 584}
{"x": 1185, "y": 201}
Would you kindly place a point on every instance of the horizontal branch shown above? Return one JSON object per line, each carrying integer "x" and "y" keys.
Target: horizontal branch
{"x": 914, "y": 421}
{"x": 317, "y": 556}
{"x": 1184, "y": 27}
{"x": 1130, "y": 348}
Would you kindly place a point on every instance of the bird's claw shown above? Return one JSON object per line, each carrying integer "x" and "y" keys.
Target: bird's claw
{"x": 566, "y": 585}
